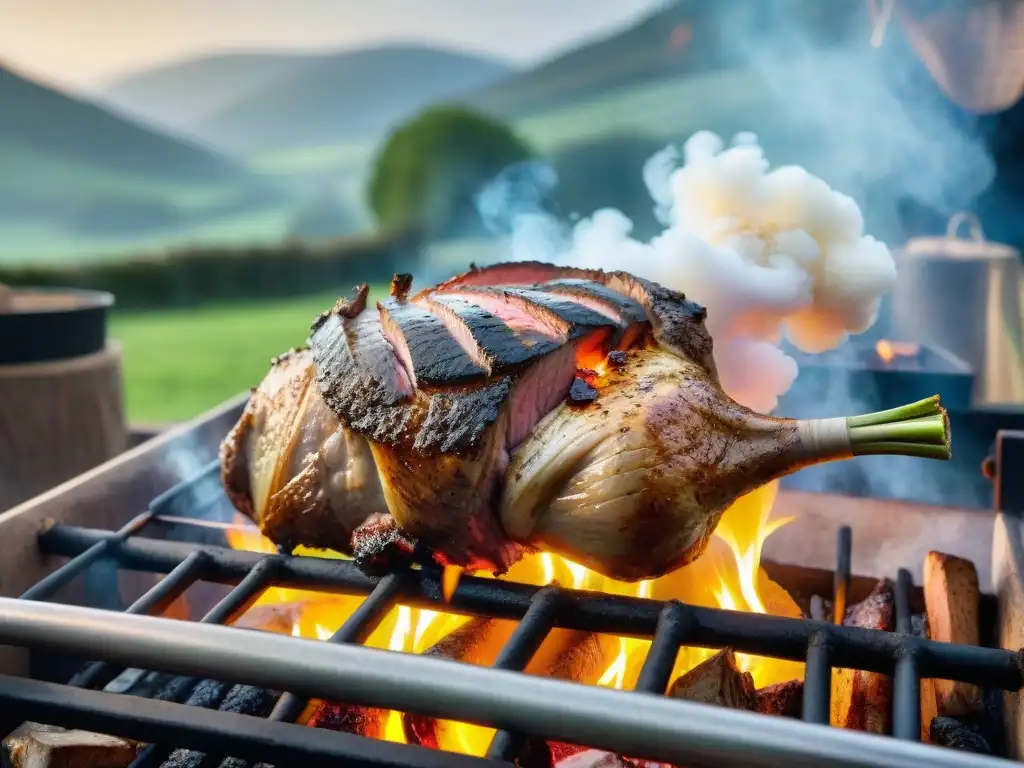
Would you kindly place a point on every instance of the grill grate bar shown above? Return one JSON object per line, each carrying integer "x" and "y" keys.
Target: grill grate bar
{"x": 234, "y": 604}
{"x": 818, "y": 678}
{"x": 673, "y": 626}
{"x": 906, "y": 693}
{"x": 356, "y": 629}
{"x": 155, "y": 601}
{"x": 526, "y": 639}
{"x": 211, "y": 731}
{"x": 753, "y": 633}
{"x": 651, "y": 727}
{"x": 63, "y": 575}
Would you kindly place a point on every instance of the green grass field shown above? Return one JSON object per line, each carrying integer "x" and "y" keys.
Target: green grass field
{"x": 178, "y": 364}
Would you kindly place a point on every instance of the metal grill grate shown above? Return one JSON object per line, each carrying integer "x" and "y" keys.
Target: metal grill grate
{"x": 643, "y": 723}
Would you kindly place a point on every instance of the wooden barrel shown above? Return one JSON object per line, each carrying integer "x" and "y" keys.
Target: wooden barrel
{"x": 61, "y": 392}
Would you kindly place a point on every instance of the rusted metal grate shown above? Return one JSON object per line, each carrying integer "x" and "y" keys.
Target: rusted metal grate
{"x": 642, "y": 723}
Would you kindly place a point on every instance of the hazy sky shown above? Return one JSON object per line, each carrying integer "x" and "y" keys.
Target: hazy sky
{"x": 84, "y": 42}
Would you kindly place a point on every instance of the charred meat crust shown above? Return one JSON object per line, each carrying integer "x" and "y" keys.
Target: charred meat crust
{"x": 678, "y": 323}
{"x": 423, "y": 371}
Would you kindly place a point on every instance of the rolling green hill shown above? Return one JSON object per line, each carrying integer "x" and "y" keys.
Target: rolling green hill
{"x": 270, "y": 101}
{"x": 182, "y": 94}
{"x": 685, "y": 37}
{"x": 74, "y": 170}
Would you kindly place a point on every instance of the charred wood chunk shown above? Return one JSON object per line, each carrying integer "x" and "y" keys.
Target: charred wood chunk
{"x": 33, "y": 745}
{"x": 953, "y": 599}
{"x": 782, "y": 699}
{"x": 950, "y": 732}
{"x": 717, "y": 681}
{"x": 380, "y": 547}
{"x": 862, "y": 701}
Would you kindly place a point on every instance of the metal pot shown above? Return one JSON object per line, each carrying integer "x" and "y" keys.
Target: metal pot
{"x": 964, "y": 294}
{"x": 974, "y": 49}
{"x": 46, "y": 324}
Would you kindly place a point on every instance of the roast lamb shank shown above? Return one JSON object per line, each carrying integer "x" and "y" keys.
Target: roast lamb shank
{"x": 516, "y": 408}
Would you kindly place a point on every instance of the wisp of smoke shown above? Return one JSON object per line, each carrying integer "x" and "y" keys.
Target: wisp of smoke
{"x": 771, "y": 253}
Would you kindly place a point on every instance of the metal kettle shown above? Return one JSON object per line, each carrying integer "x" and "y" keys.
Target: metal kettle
{"x": 964, "y": 294}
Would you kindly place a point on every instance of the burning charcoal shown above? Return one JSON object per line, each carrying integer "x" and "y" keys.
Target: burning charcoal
{"x": 208, "y": 694}
{"x": 862, "y": 701}
{"x": 33, "y": 745}
{"x": 782, "y": 699}
{"x": 953, "y": 599}
{"x": 717, "y": 681}
{"x": 949, "y": 732}
{"x": 349, "y": 718}
{"x": 240, "y": 699}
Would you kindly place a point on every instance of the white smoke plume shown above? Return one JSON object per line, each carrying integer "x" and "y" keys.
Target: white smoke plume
{"x": 771, "y": 253}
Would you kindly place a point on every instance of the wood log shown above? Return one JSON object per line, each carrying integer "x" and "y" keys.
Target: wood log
{"x": 57, "y": 420}
{"x": 929, "y": 694}
{"x": 1008, "y": 579}
{"x": 33, "y": 745}
{"x": 782, "y": 699}
{"x": 952, "y": 599}
{"x": 862, "y": 701}
{"x": 717, "y": 681}
{"x": 593, "y": 758}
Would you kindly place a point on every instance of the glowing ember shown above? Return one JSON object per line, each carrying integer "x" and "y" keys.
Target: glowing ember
{"x": 890, "y": 350}
{"x": 728, "y": 576}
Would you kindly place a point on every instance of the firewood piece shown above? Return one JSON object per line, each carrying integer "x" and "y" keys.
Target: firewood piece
{"x": 862, "y": 701}
{"x": 952, "y": 599}
{"x": 717, "y": 681}
{"x": 929, "y": 691}
{"x": 782, "y": 699}
{"x": 594, "y": 758}
{"x": 33, "y": 745}
{"x": 950, "y": 732}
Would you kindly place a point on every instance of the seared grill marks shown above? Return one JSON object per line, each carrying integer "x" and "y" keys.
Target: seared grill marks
{"x": 433, "y": 370}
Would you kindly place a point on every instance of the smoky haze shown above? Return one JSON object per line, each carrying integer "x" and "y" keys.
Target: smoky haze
{"x": 869, "y": 121}
{"x": 777, "y": 225}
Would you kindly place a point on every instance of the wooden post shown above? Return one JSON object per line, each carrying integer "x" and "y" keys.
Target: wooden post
{"x": 57, "y": 420}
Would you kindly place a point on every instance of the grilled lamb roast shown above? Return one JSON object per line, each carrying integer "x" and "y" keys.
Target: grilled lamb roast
{"x": 518, "y": 407}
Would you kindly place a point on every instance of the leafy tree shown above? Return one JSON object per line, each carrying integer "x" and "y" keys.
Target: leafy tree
{"x": 429, "y": 170}
{"x": 324, "y": 217}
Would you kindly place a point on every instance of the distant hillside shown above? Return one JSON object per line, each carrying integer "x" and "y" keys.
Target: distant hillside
{"x": 182, "y": 94}
{"x": 684, "y": 37}
{"x": 44, "y": 120}
{"x": 69, "y": 163}
{"x": 283, "y": 102}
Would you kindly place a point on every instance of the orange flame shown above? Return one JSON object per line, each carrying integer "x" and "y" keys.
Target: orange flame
{"x": 728, "y": 576}
{"x": 889, "y": 350}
